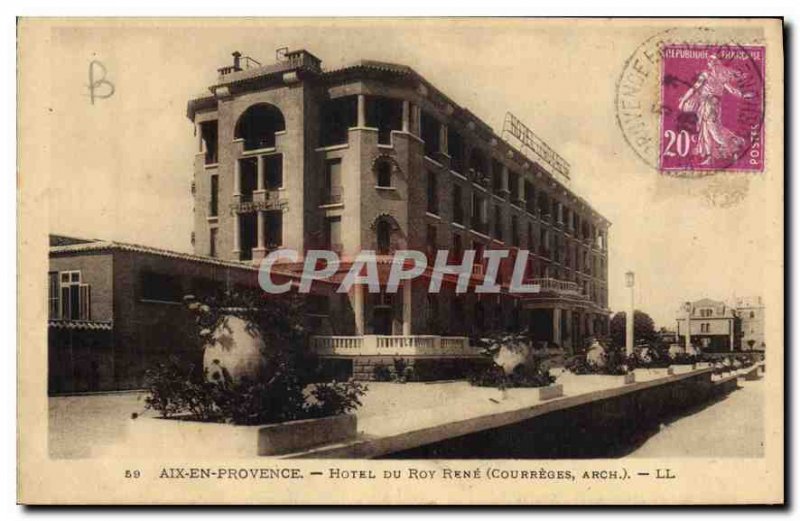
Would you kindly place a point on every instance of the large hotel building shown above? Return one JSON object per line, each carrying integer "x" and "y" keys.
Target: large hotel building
{"x": 368, "y": 156}
{"x": 372, "y": 156}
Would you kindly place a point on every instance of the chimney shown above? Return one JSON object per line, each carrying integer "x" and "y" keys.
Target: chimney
{"x": 236, "y": 60}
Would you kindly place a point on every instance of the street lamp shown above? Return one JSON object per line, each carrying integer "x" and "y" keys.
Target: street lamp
{"x": 687, "y": 307}
{"x": 629, "y": 281}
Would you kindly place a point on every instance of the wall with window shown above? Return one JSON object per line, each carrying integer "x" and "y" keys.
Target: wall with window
{"x": 94, "y": 272}
{"x": 150, "y": 320}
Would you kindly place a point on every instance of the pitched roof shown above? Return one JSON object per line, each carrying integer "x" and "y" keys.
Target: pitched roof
{"x": 99, "y": 246}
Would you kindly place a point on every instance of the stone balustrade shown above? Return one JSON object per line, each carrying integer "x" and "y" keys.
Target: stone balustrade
{"x": 393, "y": 345}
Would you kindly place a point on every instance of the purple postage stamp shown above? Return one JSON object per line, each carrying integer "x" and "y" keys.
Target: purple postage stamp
{"x": 712, "y": 108}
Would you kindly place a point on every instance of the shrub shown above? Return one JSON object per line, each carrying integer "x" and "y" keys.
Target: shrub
{"x": 616, "y": 363}
{"x": 381, "y": 372}
{"x": 649, "y": 357}
{"x": 332, "y": 398}
{"x": 403, "y": 371}
{"x": 285, "y": 390}
{"x": 531, "y": 371}
{"x": 521, "y": 376}
{"x": 684, "y": 358}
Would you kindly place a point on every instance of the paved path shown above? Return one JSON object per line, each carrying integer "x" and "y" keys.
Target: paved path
{"x": 85, "y": 426}
{"x": 732, "y": 427}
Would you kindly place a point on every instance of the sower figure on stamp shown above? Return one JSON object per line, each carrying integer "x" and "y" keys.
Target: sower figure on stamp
{"x": 704, "y": 99}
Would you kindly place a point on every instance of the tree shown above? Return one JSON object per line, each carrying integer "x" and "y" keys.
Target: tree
{"x": 644, "y": 329}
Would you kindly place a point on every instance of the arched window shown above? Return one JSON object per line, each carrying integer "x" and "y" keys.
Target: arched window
{"x": 257, "y": 126}
{"x": 384, "y": 233}
{"x": 384, "y": 174}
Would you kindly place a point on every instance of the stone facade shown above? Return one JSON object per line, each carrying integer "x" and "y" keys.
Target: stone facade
{"x": 136, "y": 317}
{"x": 751, "y": 312}
{"x": 714, "y": 326}
{"x": 374, "y": 157}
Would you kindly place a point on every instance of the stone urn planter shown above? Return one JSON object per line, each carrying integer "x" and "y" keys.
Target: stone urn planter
{"x": 177, "y": 437}
{"x": 236, "y": 348}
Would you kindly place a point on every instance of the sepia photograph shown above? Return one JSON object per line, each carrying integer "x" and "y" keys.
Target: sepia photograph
{"x": 400, "y": 261}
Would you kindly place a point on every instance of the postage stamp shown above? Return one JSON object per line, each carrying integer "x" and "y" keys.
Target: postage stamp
{"x": 712, "y": 106}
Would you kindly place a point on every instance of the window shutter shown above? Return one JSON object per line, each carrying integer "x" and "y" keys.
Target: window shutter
{"x": 85, "y": 300}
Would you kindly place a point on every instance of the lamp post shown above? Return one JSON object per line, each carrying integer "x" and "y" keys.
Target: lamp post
{"x": 687, "y": 306}
{"x": 629, "y": 280}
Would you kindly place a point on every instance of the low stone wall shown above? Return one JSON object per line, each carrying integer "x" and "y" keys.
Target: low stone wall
{"x": 158, "y": 437}
{"x": 608, "y": 427}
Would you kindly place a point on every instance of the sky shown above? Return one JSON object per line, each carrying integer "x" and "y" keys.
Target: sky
{"x": 121, "y": 167}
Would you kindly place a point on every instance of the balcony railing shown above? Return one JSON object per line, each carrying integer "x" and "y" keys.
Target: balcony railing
{"x": 395, "y": 345}
{"x": 560, "y": 287}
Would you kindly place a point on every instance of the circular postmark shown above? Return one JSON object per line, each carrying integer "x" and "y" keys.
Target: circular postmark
{"x": 690, "y": 102}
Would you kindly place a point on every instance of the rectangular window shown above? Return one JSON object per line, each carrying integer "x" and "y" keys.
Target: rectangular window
{"x": 433, "y": 194}
{"x": 385, "y": 114}
{"x": 333, "y": 181}
{"x": 455, "y": 149}
{"x": 75, "y": 297}
{"x": 515, "y": 230}
{"x": 212, "y": 242}
{"x": 530, "y": 198}
{"x": 478, "y": 213}
{"x": 52, "y": 296}
{"x": 337, "y": 116}
{"x": 513, "y": 186}
{"x": 208, "y": 134}
{"x": 458, "y": 205}
{"x": 430, "y": 135}
{"x": 248, "y": 235}
{"x": 248, "y": 178}
{"x": 333, "y": 234}
{"x": 430, "y": 243}
{"x": 160, "y": 287}
{"x": 273, "y": 171}
{"x": 497, "y": 175}
{"x": 213, "y": 202}
{"x": 274, "y": 229}
{"x": 457, "y": 252}
{"x": 498, "y": 223}
{"x": 531, "y": 238}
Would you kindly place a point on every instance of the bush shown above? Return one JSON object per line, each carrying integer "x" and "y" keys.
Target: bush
{"x": 400, "y": 372}
{"x": 684, "y": 358}
{"x": 332, "y": 398}
{"x": 521, "y": 376}
{"x": 649, "y": 357}
{"x": 616, "y": 363}
{"x": 284, "y": 391}
{"x": 381, "y": 372}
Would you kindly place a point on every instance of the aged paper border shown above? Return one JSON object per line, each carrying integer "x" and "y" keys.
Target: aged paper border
{"x": 42, "y": 480}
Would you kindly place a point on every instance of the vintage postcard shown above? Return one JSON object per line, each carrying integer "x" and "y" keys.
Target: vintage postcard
{"x": 401, "y": 261}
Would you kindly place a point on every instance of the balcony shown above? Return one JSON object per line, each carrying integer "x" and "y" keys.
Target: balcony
{"x": 258, "y": 201}
{"x": 557, "y": 287}
{"x": 384, "y": 345}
